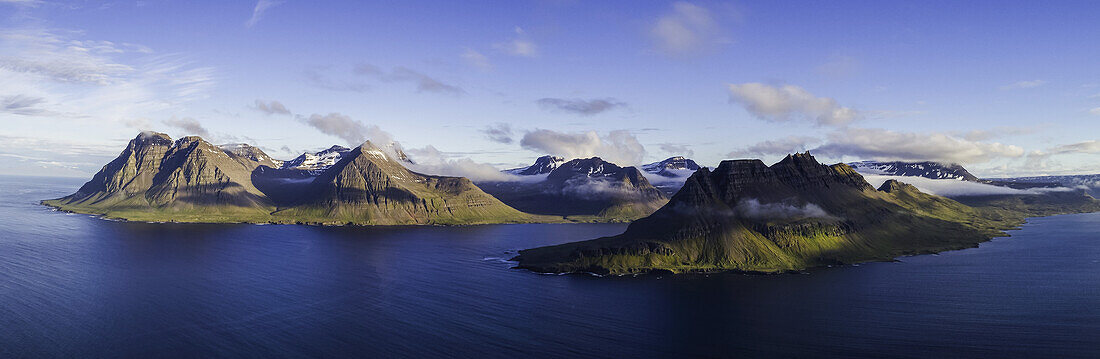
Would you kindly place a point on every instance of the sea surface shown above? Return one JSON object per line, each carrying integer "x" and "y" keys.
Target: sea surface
{"x": 78, "y": 286}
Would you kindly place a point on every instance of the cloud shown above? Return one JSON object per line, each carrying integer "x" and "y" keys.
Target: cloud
{"x": 424, "y": 83}
{"x": 188, "y": 125}
{"x": 91, "y": 79}
{"x": 258, "y": 11}
{"x": 271, "y": 108}
{"x": 21, "y": 105}
{"x": 620, "y": 146}
{"x": 752, "y": 208}
{"x": 687, "y": 29}
{"x": 1080, "y": 147}
{"x": 677, "y": 149}
{"x": 1095, "y": 111}
{"x": 499, "y": 132}
{"x": 1023, "y": 85}
{"x": 520, "y": 45}
{"x": 315, "y": 77}
{"x": 789, "y": 102}
{"x": 956, "y": 188}
{"x": 430, "y": 160}
{"x": 786, "y": 145}
{"x": 26, "y": 3}
{"x": 886, "y": 145}
{"x": 476, "y": 59}
{"x": 344, "y": 127}
{"x": 580, "y": 106}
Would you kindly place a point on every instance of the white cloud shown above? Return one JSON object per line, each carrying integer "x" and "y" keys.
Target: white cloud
{"x": 957, "y": 188}
{"x": 780, "y": 146}
{"x": 271, "y": 108}
{"x": 620, "y": 146}
{"x": 424, "y": 83}
{"x": 581, "y": 106}
{"x": 521, "y": 45}
{"x": 886, "y": 145}
{"x": 687, "y": 29}
{"x": 1095, "y": 111}
{"x": 352, "y": 131}
{"x": 76, "y": 78}
{"x": 499, "y": 133}
{"x": 189, "y": 125}
{"x": 789, "y": 102}
{"x": 476, "y": 59}
{"x": 677, "y": 149}
{"x": 1023, "y": 85}
{"x": 429, "y": 160}
{"x": 752, "y": 208}
{"x": 1090, "y": 147}
{"x": 258, "y": 11}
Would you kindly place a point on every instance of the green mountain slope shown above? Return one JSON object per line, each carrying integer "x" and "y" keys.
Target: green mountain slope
{"x": 190, "y": 180}
{"x": 369, "y": 187}
{"x": 795, "y": 214}
{"x": 157, "y": 179}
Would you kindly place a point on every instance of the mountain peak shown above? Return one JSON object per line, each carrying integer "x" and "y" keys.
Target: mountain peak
{"x": 675, "y": 166}
{"x": 543, "y": 165}
{"x": 926, "y": 169}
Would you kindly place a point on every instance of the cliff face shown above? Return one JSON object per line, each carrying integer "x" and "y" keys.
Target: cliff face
{"x": 794, "y": 214}
{"x": 368, "y": 187}
{"x": 154, "y": 173}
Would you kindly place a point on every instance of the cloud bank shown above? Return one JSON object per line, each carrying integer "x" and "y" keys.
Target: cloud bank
{"x": 344, "y": 127}
{"x": 752, "y": 208}
{"x": 620, "y": 146}
{"x": 788, "y": 103}
{"x": 886, "y": 145}
{"x": 685, "y": 30}
{"x": 957, "y": 188}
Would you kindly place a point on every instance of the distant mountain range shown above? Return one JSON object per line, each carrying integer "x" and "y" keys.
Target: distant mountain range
{"x": 677, "y": 166}
{"x": 798, "y": 213}
{"x": 582, "y": 189}
{"x": 927, "y": 169}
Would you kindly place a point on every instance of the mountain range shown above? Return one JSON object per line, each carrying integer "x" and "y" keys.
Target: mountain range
{"x": 190, "y": 180}
{"x": 580, "y": 189}
{"x": 795, "y": 214}
{"x": 926, "y": 169}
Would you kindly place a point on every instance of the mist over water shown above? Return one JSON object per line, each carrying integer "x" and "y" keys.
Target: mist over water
{"x": 77, "y": 286}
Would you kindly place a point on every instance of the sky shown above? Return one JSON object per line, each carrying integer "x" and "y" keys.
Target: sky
{"x": 1005, "y": 88}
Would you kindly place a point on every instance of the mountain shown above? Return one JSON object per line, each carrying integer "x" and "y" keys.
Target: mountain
{"x": 190, "y": 180}
{"x": 1090, "y": 183}
{"x": 367, "y": 186}
{"x": 927, "y": 169}
{"x": 795, "y": 214}
{"x": 543, "y": 165}
{"x": 584, "y": 189}
{"x": 677, "y": 166}
{"x": 316, "y": 163}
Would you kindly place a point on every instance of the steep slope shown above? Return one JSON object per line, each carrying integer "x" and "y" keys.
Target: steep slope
{"x": 588, "y": 189}
{"x": 367, "y": 186}
{"x": 542, "y": 165}
{"x": 185, "y": 180}
{"x": 795, "y": 214}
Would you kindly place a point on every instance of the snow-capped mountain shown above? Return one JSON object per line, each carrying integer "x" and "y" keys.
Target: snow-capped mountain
{"x": 678, "y": 166}
{"x": 247, "y": 151}
{"x": 928, "y": 169}
{"x": 317, "y": 162}
{"x": 543, "y": 165}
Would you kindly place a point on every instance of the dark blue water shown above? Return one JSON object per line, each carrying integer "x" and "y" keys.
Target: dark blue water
{"x": 76, "y": 286}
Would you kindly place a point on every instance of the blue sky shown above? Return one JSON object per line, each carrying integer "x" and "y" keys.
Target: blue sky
{"x": 1005, "y": 88}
